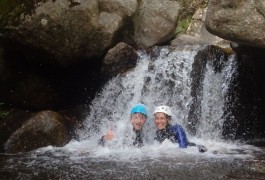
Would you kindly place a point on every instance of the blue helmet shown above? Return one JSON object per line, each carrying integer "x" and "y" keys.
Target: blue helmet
{"x": 139, "y": 108}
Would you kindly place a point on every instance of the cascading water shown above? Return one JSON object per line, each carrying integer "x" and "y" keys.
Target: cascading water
{"x": 215, "y": 89}
{"x": 164, "y": 76}
{"x": 164, "y": 79}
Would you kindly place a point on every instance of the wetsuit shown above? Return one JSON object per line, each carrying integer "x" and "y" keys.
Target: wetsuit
{"x": 138, "y": 141}
{"x": 176, "y": 134}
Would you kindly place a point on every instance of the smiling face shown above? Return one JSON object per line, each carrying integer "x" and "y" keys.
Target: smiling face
{"x": 138, "y": 121}
{"x": 161, "y": 120}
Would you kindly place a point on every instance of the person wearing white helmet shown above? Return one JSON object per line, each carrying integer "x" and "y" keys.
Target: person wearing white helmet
{"x": 138, "y": 117}
{"x": 165, "y": 130}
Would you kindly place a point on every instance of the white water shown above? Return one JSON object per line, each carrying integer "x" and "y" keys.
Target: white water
{"x": 163, "y": 80}
{"x": 215, "y": 87}
{"x": 154, "y": 81}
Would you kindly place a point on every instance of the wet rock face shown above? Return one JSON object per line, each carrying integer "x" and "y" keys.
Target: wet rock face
{"x": 211, "y": 53}
{"x": 120, "y": 7}
{"x": 43, "y": 129}
{"x": 119, "y": 59}
{"x": 244, "y": 101}
{"x": 66, "y": 33}
{"x": 8, "y": 125}
{"x": 248, "y": 96}
{"x": 239, "y": 21}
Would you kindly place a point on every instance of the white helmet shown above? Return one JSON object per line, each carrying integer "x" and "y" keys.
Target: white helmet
{"x": 163, "y": 109}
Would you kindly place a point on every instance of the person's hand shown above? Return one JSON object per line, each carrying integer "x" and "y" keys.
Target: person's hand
{"x": 202, "y": 148}
{"x": 110, "y": 135}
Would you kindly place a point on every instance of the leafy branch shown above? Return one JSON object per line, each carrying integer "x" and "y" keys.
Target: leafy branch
{"x": 3, "y": 113}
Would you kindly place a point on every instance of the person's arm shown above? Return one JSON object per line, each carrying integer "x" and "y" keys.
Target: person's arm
{"x": 101, "y": 141}
{"x": 109, "y": 136}
{"x": 180, "y": 136}
{"x": 201, "y": 148}
{"x": 138, "y": 141}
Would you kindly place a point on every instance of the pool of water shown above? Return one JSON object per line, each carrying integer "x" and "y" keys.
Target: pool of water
{"x": 85, "y": 160}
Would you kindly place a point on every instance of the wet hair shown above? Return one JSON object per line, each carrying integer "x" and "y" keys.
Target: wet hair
{"x": 168, "y": 119}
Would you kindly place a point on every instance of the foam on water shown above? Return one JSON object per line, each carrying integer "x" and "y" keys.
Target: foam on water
{"x": 163, "y": 79}
{"x": 76, "y": 151}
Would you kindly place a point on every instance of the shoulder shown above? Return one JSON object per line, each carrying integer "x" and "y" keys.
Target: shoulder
{"x": 177, "y": 128}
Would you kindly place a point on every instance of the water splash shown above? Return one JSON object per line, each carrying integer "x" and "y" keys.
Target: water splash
{"x": 215, "y": 90}
{"x": 161, "y": 77}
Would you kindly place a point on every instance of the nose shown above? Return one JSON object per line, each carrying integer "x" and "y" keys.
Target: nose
{"x": 157, "y": 119}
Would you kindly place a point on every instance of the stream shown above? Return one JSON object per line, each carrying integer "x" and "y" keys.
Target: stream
{"x": 163, "y": 78}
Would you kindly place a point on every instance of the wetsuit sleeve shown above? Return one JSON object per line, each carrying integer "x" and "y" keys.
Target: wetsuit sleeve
{"x": 180, "y": 136}
{"x": 101, "y": 141}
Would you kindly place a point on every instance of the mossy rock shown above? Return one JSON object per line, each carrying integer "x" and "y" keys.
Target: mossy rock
{"x": 43, "y": 129}
{"x": 13, "y": 10}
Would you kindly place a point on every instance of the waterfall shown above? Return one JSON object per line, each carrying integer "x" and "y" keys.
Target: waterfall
{"x": 215, "y": 90}
{"x": 162, "y": 77}
{"x": 197, "y": 82}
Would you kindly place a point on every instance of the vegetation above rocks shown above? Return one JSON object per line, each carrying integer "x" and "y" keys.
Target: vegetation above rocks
{"x": 3, "y": 112}
{"x": 183, "y": 25}
{"x": 11, "y": 11}
{"x": 189, "y": 8}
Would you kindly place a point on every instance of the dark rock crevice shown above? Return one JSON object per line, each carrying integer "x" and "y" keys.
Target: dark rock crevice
{"x": 37, "y": 86}
{"x": 248, "y": 95}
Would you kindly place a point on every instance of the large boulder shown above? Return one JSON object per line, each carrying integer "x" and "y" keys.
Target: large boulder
{"x": 155, "y": 22}
{"x": 120, "y": 7}
{"x": 43, "y": 129}
{"x": 9, "y": 124}
{"x": 119, "y": 59}
{"x": 237, "y": 20}
{"x": 65, "y": 32}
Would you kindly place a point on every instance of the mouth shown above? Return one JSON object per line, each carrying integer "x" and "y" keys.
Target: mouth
{"x": 159, "y": 126}
{"x": 138, "y": 125}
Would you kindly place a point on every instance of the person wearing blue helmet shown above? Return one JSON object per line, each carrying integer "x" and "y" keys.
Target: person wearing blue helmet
{"x": 138, "y": 116}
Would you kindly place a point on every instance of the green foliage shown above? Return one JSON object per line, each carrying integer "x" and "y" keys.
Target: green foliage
{"x": 189, "y": 8}
{"x": 11, "y": 11}
{"x": 183, "y": 25}
{"x": 3, "y": 113}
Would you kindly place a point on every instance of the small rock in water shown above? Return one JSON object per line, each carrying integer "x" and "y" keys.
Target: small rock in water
{"x": 202, "y": 148}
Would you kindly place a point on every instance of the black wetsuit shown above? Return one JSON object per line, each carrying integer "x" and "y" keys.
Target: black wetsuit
{"x": 166, "y": 133}
{"x": 138, "y": 141}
